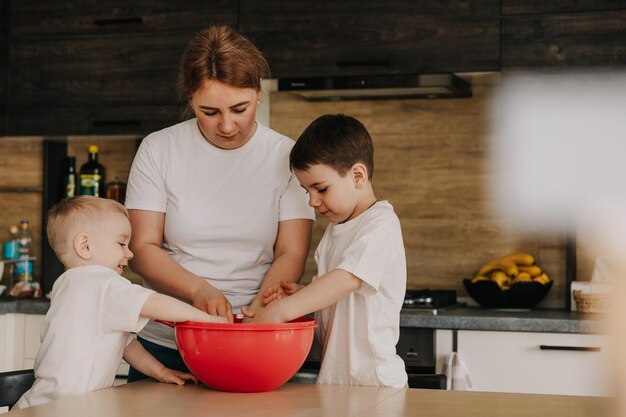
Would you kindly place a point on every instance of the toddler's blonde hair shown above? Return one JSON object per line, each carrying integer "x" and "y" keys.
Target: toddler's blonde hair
{"x": 76, "y": 213}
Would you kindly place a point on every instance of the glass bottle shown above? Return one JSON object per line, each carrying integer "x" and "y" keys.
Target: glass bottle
{"x": 92, "y": 175}
{"x": 70, "y": 181}
{"x": 25, "y": 263}
{"x": 9, "y": 253}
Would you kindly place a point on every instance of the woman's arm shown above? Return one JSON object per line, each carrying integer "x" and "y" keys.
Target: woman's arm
{"x": 164, "y": 273}
{"x": 290, "y": 251}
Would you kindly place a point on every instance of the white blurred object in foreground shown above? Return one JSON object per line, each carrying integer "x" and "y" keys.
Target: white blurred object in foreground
{"x": 559, "y": 151}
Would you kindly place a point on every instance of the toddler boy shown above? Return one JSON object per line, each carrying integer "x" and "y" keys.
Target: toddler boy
{"x": 93, "y": 308}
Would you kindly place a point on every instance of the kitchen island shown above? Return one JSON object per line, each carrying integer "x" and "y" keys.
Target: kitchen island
{"x": 152, "y": 399}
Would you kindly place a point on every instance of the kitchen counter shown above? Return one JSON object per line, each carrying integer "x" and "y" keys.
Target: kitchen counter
{"x": 24, "y": 306}
{"x": 466, "y": 318}
{"x": 153, "y": 399}
{"x": 476, "y": 318}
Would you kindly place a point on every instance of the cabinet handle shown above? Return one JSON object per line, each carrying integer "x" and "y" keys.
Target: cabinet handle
{"x": 366, "y": 63}
{"x": 118, "y": 21}
{"x": 411, "y": 354}
{"x": 571, "y": 348}
{"x": 115, "y": 123}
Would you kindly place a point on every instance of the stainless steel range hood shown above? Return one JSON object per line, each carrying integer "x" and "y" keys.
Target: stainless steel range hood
{"x": 372, "y": 87}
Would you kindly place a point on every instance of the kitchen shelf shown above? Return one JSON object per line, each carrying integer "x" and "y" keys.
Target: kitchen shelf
{"x": 20, "y": 189}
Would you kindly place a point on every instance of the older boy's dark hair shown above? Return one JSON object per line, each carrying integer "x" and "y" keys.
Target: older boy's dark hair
{"x": 335, "y": 140}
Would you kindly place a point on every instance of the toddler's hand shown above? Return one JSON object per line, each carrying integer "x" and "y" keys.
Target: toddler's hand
{"x": 279, "y": 291}
{"x": 215, "y": 319}
{"x": 171, "y": 376}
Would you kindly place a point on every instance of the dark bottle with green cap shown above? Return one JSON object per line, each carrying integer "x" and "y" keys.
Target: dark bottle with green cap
{"x": 92, "y": 175}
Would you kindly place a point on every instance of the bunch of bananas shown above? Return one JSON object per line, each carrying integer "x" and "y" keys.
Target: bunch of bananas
{"x": 511, "y": 269}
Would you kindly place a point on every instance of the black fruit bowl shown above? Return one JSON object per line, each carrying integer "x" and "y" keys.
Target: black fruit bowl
{"x": 524, "y": 294}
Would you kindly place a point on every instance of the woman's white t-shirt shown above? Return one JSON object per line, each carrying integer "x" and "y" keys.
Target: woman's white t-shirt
{"x": 358, "y": 334}
{"x": 222, "y": 207}
{"x": 92, "y": 311}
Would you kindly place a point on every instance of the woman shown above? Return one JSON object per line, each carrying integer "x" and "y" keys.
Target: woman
{"x": 217, "y": 216}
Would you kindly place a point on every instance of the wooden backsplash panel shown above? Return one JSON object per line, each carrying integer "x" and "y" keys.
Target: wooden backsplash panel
{"x": 431, "y": 164}
{"x": 20, "y": 162}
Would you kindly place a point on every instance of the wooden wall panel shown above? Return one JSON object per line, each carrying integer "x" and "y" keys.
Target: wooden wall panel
{"x": 430, "y": 163}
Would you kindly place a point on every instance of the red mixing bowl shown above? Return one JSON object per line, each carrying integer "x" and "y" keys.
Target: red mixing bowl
{"x": 238, "y": 357}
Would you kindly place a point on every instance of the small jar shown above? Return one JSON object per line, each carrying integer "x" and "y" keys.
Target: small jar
{"x": 116, "y": 190}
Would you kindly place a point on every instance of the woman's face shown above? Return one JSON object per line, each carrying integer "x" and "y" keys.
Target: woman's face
{"x": 226, "y": 115}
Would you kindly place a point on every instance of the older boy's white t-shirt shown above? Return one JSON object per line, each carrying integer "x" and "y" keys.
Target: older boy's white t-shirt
{"x": 92, "y": 310}
{"x": 222, "y": 207}
{"x": 359, "y": 333}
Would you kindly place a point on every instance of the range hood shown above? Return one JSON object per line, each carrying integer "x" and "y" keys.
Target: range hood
{"x": 372, "y": 87}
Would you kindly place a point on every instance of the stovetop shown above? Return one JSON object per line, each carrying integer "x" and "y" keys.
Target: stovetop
{"x": 429, "y": 301}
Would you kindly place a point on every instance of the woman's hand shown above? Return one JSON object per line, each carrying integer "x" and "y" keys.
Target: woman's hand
{"x": 280, "y": 291}
{"x": 210, "y": 299}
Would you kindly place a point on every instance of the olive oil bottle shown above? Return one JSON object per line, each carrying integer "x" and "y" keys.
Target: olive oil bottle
{"x": 92, "y": 175}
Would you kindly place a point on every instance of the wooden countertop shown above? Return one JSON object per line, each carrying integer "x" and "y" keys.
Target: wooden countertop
{"x": 152, "y": 399}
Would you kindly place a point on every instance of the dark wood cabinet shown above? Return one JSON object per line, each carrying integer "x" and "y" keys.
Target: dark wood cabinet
{"x": 4, "y": 65}
{"x": 45, "y": 17}
{"x": 561, "y": 34}
{"x": 355, "y": 37}
{"x": 74, "y": 74}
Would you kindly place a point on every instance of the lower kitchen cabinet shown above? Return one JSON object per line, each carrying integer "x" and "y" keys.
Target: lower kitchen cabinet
{"x": 20, "y": 340}
{"x": 538, "y": 363}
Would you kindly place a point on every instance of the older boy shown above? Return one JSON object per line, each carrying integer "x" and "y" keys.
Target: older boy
{"x": 93, "y": 309}
{"x": 358, "y": 291}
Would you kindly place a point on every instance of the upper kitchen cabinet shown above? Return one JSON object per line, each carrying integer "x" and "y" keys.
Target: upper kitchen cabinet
{"x": 356, "y": 37}
{"x": 45, "y": 17}
{"x": 563, "y": 34}
{"x": 4, "y": 66}
{"x": 101, "y": 67}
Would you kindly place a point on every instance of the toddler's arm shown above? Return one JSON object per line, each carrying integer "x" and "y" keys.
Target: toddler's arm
{"x": 164, "y": 307}
{"x": 325, "y": 291}
{"x": 144, "y": 362}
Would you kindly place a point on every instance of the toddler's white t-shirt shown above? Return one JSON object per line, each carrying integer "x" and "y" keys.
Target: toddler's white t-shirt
{"x": 92, "y": 311}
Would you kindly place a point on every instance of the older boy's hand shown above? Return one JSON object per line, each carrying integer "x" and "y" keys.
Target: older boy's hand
{"x": 268, "y": 314}
{"x": 171, "y": 376}
{"x": 279, "y": 291}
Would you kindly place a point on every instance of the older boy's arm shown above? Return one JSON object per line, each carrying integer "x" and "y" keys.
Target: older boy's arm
{"x": 164, "y": 307}
{"x": 144, "y": 362}
{"x": 323, "y": 292}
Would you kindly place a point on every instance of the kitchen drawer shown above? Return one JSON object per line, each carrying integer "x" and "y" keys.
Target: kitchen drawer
{"x": 539, "y": 363}
{"x": 45, "y": 17}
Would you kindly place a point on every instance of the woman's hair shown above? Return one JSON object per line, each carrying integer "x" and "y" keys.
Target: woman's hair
{"x": 220, "y": 53}
{"x": 75, "y": 213}
{"x": 335, "y": 140}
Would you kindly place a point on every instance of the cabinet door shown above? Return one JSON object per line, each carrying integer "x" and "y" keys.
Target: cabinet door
{"x": 581, "y": 38}
{"x": 94, "y": 84}
{"x": 45, "y": 17}
{"x": 101, "y": 67}
{"x": 538, "y": 363}
{"x": 32, "y": 338}
{"x": 355, "y": 37}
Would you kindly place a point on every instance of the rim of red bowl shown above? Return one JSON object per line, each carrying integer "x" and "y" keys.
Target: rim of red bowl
{"x": 299, "y": 323}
